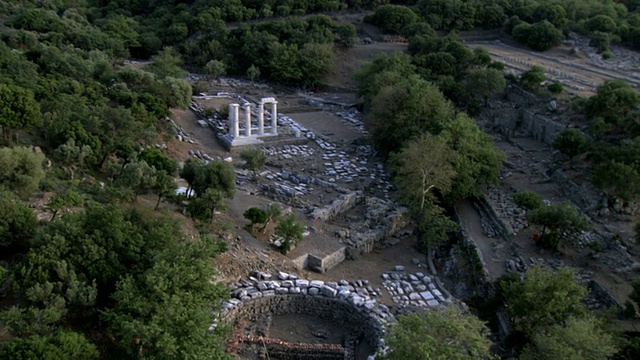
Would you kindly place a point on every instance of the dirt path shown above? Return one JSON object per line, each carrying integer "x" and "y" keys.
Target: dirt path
{"x": 471, "y": 222}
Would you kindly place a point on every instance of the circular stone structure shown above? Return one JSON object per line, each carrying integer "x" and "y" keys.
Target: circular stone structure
{"x": 343, "y": 303}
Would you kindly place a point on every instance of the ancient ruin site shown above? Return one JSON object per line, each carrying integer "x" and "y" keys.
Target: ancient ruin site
{"x": 333, "y": 295}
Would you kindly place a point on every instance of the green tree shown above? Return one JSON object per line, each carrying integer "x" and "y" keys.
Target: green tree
{"x": 316, "y": 60}
{"x": 600, "y": 41}
{"x": 544, "y": 299}
{"x": 163, "y": 186}
{"x": 254, "y": 159}
{"x": 571, "y": 142}
{"x": 577, "y": 339}
{"x": 618, "y": 180}
{"x": 138, "y": 177}
{"x": 188, "y": 172}
{"x": 211, "y": 199}
{"x": 373, "y": 75}
{"x": 291, "y": 230}
{"x": 481, "y": 56}
{"x": 18, "y": 222}
{"x": 602, "y": 23}
{"x": 159, "y": 160}
{"x": 215, "y": 68}
{"x": 253, "y": 72}
{"x": 215, "y": 175}
{"x": 540, "y": 36}
{"x": 438, "y": 334}
{"x": 555, "y": 88}
{"x": 72, "y": 157}
{"x": 274, "y": 214}
{"x": 96, "y": 246}
{"x": 166, "y": 312}
{"x": 562, "y": 220}
{"x": 346, "y": 35}
{"x": 400, "y": 113}
{"x": 392, "y": 18}
{"x": 284, "y": 63}
{"x": 21, "y": 169}
{"x": 485, "y": 82}
{"x": 613, "y": 101}
{"x": 177, "y": 92}
{"x": 478, "y": 161}
{"x": 423, "y": 170}
{"x": 62, "y": 199}
{"x": 18, "y": 109}
{"x": 434, "y": 226}
{"x": 528, "y": 199}
{"x": 256, "y": 215}
{"x": 533, "y": 77}
{"x": 167, "y": 63}
{"x": 61, "y": 344}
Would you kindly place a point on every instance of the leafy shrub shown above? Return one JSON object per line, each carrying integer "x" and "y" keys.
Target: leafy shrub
{"x": 256, "y": 215}
{"x": 571, "y": 142}
{"x": 555, "y": 88}
{"x": 529, "y": 200}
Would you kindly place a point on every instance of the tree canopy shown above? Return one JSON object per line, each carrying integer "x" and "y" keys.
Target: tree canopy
{"x": 438, "y": 334}
{"x": 543, "y": 298}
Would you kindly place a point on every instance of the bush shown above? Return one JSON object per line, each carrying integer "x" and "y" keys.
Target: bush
{"x": 529, "y": 200}
{"x": 555, "y": 88}
{"x": 533, "y": 77}
{"x": 607, "y": 54}
{"x": 256, "y": 215}
{"x": 571, "y": 142}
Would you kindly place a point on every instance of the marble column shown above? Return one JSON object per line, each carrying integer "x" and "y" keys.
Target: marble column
{"x": 274, "y": 118}
{"x": 234, "y": 128}
{"x": 247, "y": 119}
{"x": 260, "y": 119}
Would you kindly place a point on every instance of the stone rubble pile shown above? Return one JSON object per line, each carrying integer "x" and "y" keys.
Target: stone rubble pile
{"x": 262, "y": 284}
{"x": 623, "y": 60}
{"x": 520, "y": 265}
{"x": 507, "y": 210}
{"x": 181, "y": 135}
{"x": 354, "y": 117}
{"x": 289, "y": 151}
{"x": 200, "y": 155}
{"x": 412, "y": 289}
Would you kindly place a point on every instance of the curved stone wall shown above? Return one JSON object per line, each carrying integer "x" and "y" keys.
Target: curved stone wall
{"x": 345, "y": 303}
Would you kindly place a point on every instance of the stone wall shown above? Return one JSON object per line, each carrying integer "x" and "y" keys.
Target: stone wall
{"x": 585, "y": 197}
{"x": 489, "y": 214}
{"x": 342, "y": 303}
{"x": 294, "y": 351}
{"x": 342, "y": 204}
{"x": 521, "y": 121}
{"x": 321, "y": 264}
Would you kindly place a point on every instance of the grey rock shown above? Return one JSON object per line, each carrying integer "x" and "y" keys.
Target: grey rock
{"x": 328, "y": 291}
{"x": 313, "y": 291}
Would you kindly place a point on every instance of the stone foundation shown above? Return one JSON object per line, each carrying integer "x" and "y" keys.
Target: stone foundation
{"x": 321, "y": 264}
{"x": 342, "y": 204}
{"x": 289, "y": 351}
{"x": 343, "y": 304}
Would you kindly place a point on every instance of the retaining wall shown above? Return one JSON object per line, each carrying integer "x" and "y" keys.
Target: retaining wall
{"x": 345, "y": 304}
{"x": 342, "y": 204}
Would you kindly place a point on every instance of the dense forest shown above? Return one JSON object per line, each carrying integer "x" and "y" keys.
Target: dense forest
{"x": 110, "y": 279}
